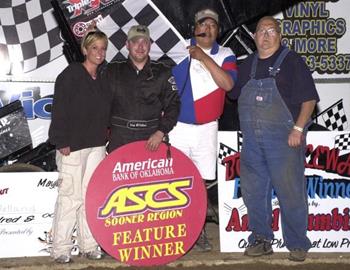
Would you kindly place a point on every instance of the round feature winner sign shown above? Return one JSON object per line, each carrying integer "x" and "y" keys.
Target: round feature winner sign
{"x": 145, "y": 208}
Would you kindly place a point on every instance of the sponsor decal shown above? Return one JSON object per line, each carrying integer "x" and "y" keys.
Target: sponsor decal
{"x": 77, "y": 8}
{"x": 145, "y": 208}
{"x": 80, "y": 14}
{"x": 79, "y": 28}
{"x": 34, "y": 105}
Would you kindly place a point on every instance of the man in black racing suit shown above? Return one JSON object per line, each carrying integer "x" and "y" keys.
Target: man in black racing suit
{"x": 145, "y": 103}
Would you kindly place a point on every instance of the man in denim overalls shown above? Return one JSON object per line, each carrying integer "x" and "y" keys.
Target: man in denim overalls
{"x": 277, "y": 98}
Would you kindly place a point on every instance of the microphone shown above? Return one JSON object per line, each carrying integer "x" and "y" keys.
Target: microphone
{"x": 201, "y": 35}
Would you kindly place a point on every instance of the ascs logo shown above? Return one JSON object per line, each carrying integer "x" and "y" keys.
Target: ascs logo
{"x": 154, "y": 196}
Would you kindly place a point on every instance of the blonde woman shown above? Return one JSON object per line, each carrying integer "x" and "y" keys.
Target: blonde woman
{"x": 78, "y": 130}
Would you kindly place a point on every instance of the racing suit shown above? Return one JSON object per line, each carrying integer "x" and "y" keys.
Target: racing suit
{"x": 143, "y": 102}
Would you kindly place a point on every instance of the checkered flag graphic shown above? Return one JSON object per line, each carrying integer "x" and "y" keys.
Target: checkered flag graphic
{"x": 167, "y": 44}
{"x": 239, "y": 140}
{"x": 342, "y": 142}
{"x": 29, "y": 32}
{"x": 225, "y": 151}
{"x": 334, "y": 117}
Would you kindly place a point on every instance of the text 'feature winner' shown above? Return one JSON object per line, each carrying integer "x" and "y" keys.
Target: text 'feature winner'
{"x": 144, "y": 208}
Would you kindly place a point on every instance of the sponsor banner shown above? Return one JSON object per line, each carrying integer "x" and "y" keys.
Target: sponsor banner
{"x": 26, "y": 210}
{"x": 36, "y": 99}
{"x": 328, "y": 186}
{"x": 317, "y": 30}
{"x": 145, "y": 208}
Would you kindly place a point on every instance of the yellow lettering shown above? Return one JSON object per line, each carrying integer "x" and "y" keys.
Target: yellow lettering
{"x": 179, "y": 247}
{"x": 169, "y": 232}
{"x": 107, "y": 222}
{"x": 164, "y": 215}
{"x": 157, "y": 251}
{"x": 114, "y": 221}
{"x": 168, "y": 249}
{"x": 181, "y": 230}
{"x": 138, "y": 237}
{"x": 116, "y": 204}
{"x": 146, "y": 252}
{"x": 126, "y": 237}
{"x": 151, "y": 251}
{"x": 124, "y": 254}
{"x": 147, "y": 232}
{"x": 116, "y": 238}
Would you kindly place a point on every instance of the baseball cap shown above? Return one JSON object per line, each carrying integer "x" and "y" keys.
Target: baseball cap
{"x": 138, "y": 31}
{"x": 206, "y": 13}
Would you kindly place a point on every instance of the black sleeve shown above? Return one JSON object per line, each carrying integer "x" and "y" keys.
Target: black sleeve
{"x": 236, "y": 91}
{"x": 170, "y": 102}
{"x": 108, "y": 84}
{"x": 243, "y": 72}
{"x": 59, "y": 127}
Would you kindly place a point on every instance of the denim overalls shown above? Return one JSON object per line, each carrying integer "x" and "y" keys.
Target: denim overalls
{"x": 268, "y": 162}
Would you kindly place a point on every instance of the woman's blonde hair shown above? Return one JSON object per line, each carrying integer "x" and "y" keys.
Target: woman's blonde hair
{"x": 91, "y": 36}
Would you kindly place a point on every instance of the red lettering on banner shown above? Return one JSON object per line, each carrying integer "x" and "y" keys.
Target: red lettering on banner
{"x": 344, "y": 167}
{"x": 333, "y": 221}
{"x": 315, "y": 155}
{"x": 240, "y": 224}
{"x": 320, "y": 158}
{"x": 232, "y": 165}
{"x": 331, "y": 158}
{"x": 323, "y": 158}
{"x": 235, "y": 223}
{"x": 327, "y": 222}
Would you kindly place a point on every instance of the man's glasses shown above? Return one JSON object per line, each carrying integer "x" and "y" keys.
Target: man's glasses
{"x": 269, "y": 32}
{"x": 205, "y": 25}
